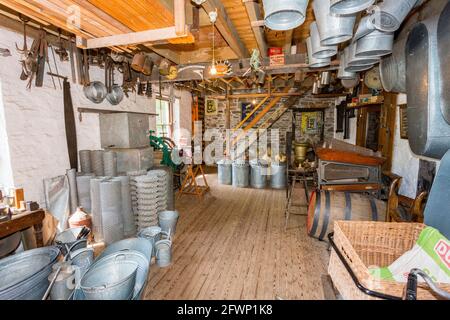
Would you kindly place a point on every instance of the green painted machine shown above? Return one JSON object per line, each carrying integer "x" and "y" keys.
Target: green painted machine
{"x": 167, "y": 146}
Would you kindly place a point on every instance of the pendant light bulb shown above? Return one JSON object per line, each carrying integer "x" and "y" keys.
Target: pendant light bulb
{"x": 213, "y": 70}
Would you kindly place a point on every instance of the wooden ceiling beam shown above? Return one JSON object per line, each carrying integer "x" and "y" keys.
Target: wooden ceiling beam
{"x": 254, "y": 14}
{"x": 226, "y": 27}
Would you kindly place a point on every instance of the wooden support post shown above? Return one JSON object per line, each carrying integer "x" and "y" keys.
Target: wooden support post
{"x": 180, "y": 17}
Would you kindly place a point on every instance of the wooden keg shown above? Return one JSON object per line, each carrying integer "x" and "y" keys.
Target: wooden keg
{"x": 325, "y": 207}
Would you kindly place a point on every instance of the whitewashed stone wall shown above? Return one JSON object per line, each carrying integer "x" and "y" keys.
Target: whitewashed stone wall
{"x": 35, "y": 122}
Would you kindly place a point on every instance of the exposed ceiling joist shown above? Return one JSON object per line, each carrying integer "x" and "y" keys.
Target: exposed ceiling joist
{"x": 226, "y": 28}
{"x": 254, "y": 13}
{"x": 132, "y": 38}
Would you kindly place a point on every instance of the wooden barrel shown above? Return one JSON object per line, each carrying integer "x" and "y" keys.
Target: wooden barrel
{"x": 325, "y": 207}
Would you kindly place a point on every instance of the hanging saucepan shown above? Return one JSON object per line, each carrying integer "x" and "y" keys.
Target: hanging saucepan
{"x": 96, "y": 92}
{"x": 138, "y": 62}
{"x": 375, "y": 44}
{"x": 148, "y": 66}
{"x": 116, "y": 95}
{"x": 349, "y": 6}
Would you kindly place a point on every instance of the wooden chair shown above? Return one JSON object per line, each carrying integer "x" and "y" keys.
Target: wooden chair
{"x": 404, "y": 209}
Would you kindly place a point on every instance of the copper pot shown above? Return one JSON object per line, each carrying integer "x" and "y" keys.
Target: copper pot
{"x": 138, "y": 62}
{"x": 148, "y": 66}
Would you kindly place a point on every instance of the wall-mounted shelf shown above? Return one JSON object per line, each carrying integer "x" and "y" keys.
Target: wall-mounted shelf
{"x": 372, "y": 102}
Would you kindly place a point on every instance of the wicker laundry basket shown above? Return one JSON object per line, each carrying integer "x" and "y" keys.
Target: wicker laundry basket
{"x": 364, "y": 244}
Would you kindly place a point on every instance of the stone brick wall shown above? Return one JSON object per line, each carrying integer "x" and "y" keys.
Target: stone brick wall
{"x": 284, "y": 124}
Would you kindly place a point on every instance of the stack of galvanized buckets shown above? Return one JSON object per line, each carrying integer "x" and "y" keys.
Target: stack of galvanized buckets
{"x": 119, "y": 273}
{"x": 370, "y": 45}
{"x": 256, "y": 174}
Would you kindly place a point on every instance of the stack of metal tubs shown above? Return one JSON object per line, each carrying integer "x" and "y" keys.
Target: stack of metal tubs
{"x": 24, "y": 276}
{"x": 152, "y": 197}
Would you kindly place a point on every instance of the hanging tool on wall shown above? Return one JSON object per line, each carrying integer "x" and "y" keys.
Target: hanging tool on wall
{"x": 86, "y": 79}
{"x": 26, "y": 60}
{"x": 72, "y": 50}
{"x": 40, "y": 52}
{"x": 109, "y": 73}
{"x": 61, "y": 51}
{"x": 71, "y": 132}
{"x": 56, "y": 67}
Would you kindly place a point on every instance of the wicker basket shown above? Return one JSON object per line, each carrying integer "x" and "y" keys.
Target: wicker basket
{"x": 365, "y": 244}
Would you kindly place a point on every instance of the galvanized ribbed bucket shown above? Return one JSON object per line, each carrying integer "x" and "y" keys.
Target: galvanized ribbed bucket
{"x": 168, "y": 221}
{"x": 241, "y": 174}
{"x": 284, "y": 14}
{"x": 393, "y": 68}
{"x": 225, "y": 172}
{"x": 375, "y": 44}
{"x": 319, "y": 51}
{"x": 278, "y": 175}
{"x": 389, "y": 15}
{"x": 349, "y": 6}
{"x": 163, "y": 253}
{"x": 258, "y": 175}
{"x": 333, "y": 29}
{"x": 315, "y": 62}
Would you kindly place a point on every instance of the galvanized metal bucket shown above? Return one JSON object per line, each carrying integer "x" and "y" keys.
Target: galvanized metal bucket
{"x": 375, "y": 44}
{"x": 284, "y": 14}
{"x": 65, "y": 281}
{"x": 68, "y": 239}
{"x": 318, "y": 50}
{"x": 142, "y": 269}
{"x": 83, "y": 259}
{"x": 133, "y": 244}
{"x": 168, "y": 221}
{"x": 389, "y": 15}
{"x": 349, "y": 6}
{"x": 152, "y": 234}
{"x": 354, "y": 61}
{"x": 315, "y": 62}
{"x": 111, "y": 280}
{"x": 365, "y": 27}
{"x": 342, "y": 74}
{"x": 258, "y": 175}
{"x": 225, "y": 172}
{"x": 241, "y": 174}
{"x": 393, "y": 68}
{"x": 23, "y": 276}
{"x": 333, "y": 29}
{"x": 163, "y": 253}
{"x": 278, "y": 175}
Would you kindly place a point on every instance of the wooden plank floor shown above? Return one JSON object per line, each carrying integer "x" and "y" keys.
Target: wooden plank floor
{"x": 232, "y": 245}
